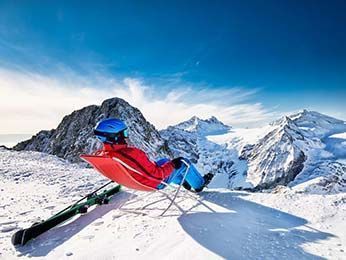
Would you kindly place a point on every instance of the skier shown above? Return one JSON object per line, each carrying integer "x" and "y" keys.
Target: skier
{"x": 114, "y": 135}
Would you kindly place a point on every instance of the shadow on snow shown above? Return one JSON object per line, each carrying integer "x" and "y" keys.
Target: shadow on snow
{"x": 247, "y": 230}
{"x": 241, "y": 229}
{"x": 45, "y": 243}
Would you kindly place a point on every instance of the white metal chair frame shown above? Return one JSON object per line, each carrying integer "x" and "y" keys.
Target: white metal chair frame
{"x": 172, "y": 200}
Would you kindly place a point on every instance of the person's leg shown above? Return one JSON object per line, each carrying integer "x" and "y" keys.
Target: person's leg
{"x": 161, "y": 161}
{"x": 193, "y": 177}
{"x": 175, "y": 177}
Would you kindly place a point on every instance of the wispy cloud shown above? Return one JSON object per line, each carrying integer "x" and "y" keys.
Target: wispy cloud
{"x": 31, "y": 101}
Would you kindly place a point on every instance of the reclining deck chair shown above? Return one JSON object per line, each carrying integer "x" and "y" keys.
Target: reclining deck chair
{"x": 118, "y": 171}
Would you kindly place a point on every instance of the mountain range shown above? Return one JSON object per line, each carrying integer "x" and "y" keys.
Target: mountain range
{"x": 303, "y": 151}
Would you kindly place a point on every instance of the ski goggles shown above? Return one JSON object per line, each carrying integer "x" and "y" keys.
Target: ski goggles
{"x": 126, "y": 133}
{"x": 110, "y": 137}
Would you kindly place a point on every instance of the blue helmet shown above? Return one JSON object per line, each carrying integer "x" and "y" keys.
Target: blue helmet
{"x": 111, "y": 130}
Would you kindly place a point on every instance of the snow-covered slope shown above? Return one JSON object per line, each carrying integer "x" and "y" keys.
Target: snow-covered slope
{"x": 223, "y": 224}
{"x": 74, "y": 135}
{"x": 326, "y": 177}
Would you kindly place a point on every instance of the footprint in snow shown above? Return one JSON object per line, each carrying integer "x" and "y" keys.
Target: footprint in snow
{"x": 8, "y": 228}
{"x": 25, "y": 212}
{"x": 116, "y": 216}
{"x": 88, "y": 237}
{"x": 98, "y": 223}
{"x": 8, "y": 222}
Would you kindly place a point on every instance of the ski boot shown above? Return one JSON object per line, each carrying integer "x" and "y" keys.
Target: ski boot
{"x": 207, "y": 179}
{"x": 186, "y": 185}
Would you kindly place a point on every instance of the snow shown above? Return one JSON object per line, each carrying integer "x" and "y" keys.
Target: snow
{"x": 317, "y": 124}
{"x": 336, "y": 145}
{"x": 239, "y": 137}
{"x": 340, "y": 135}
{"x": 284, "y": 224}
{"x": 210, "y": 126}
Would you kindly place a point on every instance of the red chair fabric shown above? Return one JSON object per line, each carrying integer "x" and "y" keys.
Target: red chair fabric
{"x": 113, "y": 170}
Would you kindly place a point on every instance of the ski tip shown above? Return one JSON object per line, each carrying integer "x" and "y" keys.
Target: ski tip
{"x": 17, "y": 238}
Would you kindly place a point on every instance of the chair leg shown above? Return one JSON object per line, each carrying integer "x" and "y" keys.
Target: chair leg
{"x": 178, "y": 189}
{"x": 140, "y": 198}
{"x": 172, "y": 203}
{"x": 172, "y": 200}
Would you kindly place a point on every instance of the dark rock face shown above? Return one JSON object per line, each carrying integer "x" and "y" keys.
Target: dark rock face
{"x": 74, "y": 135}
{"x": 182, "y": 143}
{"x": 294, "y": 168}
{"x": 39, "y": 142}
{"x": 334, "y": 176}
{"x": 325, "y": 177}
{"x": 277, "y": 158}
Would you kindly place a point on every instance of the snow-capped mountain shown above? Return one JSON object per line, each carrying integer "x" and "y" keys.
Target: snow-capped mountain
{"x": 210, "y": 126}
{"x": 183, "y": 138}
{"x": 74, "y": 135}
{"x": 277, "y": 157}
{"x": 318, "y": 125}
{"x": 307, "y": 155}
{"x": 286, "y": 152}
{"x": 326, "y": 177}
{"x": 189, "y": 139}
{"x": 293, "y": 151}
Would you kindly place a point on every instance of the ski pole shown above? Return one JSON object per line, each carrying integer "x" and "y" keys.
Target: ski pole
{"x": 84, "y": 197}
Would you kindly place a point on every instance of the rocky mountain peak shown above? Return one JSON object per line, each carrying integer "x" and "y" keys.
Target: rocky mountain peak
{"x": 276, "y": 158}
{"x": 313, "y": 115}
{"x": 291, "y": 145}
{"x": 74, "y": 135}
{"x": 285, "y": 128}
{"x": 285, "y": 120}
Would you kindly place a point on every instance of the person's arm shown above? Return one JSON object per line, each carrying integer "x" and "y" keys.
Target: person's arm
{"x": 152, "y": 168}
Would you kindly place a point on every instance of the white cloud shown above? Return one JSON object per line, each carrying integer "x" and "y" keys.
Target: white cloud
{"x": 30, "y": 101}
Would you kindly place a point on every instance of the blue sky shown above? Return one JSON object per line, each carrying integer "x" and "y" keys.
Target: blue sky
{"x": 274, "y": 56}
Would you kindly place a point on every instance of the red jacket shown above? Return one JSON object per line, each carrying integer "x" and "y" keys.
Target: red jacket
{"x": 138, "y": 160}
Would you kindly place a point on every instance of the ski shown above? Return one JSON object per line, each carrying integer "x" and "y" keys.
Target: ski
{"x": 21, "y": 237}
